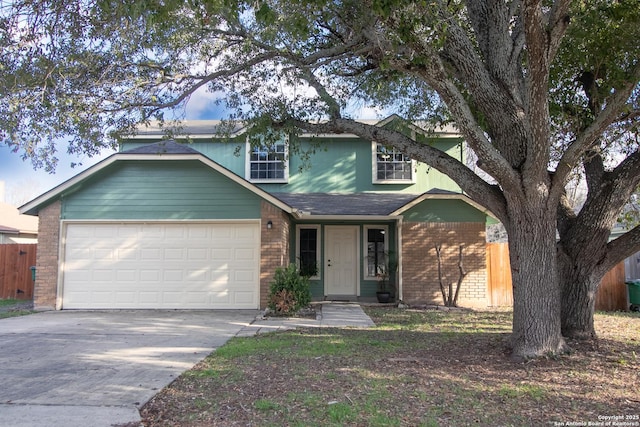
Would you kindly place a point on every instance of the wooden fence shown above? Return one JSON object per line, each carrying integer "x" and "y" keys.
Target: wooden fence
{"x": 611, "y": 296}
{"x": 16, "y": 261}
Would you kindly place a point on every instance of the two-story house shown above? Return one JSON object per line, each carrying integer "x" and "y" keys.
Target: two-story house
{"x": 204, "y": 220}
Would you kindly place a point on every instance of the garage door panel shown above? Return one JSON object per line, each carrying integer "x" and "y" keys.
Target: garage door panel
{"x": 125, "y": 297}
{"x": 220, "y": 254}
{"x": 243, "y": 297}
{"x": 150, "y": 254}
{"x": 197, "y": 253}
{"x": 161, "y": 266}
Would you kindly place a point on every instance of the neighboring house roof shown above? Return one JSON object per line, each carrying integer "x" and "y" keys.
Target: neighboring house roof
{"x": 11, "y": 222}
{"x": 8, "y": 230}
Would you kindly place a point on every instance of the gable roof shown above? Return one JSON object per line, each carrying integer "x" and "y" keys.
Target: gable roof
{"x": 440, "y": 194}
{"x": 164, "y": 150}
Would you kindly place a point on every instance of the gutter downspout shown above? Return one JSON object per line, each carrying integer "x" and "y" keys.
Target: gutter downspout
{"x": 399, "y": 234}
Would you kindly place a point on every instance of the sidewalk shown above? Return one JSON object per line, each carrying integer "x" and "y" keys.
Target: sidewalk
{"x": 331, "y": 315}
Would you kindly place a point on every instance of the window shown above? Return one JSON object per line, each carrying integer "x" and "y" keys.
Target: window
{"x": 268, "y": 164}
{"x": 391, "y": 166}
{"x": 308, "y": 252}
{"x": 376, "y": 251}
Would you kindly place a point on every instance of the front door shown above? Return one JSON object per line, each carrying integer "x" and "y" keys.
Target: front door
{"x": 341, "y": 260}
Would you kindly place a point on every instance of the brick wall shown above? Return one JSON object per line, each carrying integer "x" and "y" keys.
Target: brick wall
{"x": 45, "y": 288}
{"x": 420, "y": 264}
{"x": 274, "y": 250}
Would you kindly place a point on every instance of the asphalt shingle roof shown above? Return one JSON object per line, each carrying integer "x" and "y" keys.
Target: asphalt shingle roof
{"x": 346, "y": 204}
{"x": 163, "y": 147}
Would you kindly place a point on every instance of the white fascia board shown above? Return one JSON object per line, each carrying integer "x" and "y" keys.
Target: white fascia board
{"x": 169, "y": 157}
{"x": 461, "y": 197}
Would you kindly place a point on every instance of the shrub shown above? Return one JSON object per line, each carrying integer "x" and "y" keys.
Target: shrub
{"x": 289, "y": 291}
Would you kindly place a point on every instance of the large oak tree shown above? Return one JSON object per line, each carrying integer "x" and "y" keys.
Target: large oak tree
{"x": 538, "y": 89}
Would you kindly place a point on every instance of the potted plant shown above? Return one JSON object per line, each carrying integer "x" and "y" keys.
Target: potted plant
{"x": 384, "y": 288}
{"x": 385, "y": 274}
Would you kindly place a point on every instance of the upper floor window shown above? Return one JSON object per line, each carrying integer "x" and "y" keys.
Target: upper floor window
{"x": 267, "y": 164}
{"x": 391, "y": 166}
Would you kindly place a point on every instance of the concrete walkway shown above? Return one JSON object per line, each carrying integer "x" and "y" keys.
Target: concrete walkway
{"x": 332, "y": 315}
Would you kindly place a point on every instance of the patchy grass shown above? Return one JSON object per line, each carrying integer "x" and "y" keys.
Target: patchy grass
{"x": 14, "y": 308}
{"x": 416, "y": 368}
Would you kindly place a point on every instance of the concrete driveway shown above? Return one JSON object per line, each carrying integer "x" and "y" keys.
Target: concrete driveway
{"x": 79, "y": 368}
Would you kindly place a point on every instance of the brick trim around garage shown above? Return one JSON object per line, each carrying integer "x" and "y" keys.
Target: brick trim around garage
{"x": 47, "y": 259}
{"x": 274, "y": 246}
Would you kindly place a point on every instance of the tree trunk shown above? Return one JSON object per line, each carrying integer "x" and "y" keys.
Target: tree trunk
{"x": 578, "y": 306}
{"x": 536, "y": 290}
{"x": 579, "y": 278}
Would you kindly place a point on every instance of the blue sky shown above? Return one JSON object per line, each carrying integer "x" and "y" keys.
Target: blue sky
{"x": 23, "y": 183}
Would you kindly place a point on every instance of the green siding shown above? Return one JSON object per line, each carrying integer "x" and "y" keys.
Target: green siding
{"x": 345, "y": 165}
{"x": 443, "y": 211}
{"x": 339, "y": 165}
{"x": 159, "y": 190}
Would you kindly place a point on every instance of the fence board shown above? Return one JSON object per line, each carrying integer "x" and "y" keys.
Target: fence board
{"x": 612, "y": 293}
{"x": 499, "y": 275}
{"x": 611, "y": 296}
{"x": 15, "y": 273}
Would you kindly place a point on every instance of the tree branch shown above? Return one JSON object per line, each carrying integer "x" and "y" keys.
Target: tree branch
{"x": 587, "y": 138}
{"x": 559, "y": 19}
{"x": 538, "y": 63}
{"x": 622, "y": 248}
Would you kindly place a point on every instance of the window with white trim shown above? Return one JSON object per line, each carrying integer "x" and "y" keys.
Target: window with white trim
{"x": 391, "y": 166}
{"x": 377, "y": 251}
{"x": 308, "y": 250}
{"x": 267, "y": 164}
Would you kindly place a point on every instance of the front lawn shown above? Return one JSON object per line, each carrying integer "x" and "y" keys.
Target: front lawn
{"x": 416, "y": 368}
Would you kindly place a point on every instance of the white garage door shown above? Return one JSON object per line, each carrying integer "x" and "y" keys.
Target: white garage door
{"x": 161, "y": 265}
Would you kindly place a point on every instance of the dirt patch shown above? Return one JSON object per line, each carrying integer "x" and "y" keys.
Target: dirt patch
{"x": 418, "y": 367}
